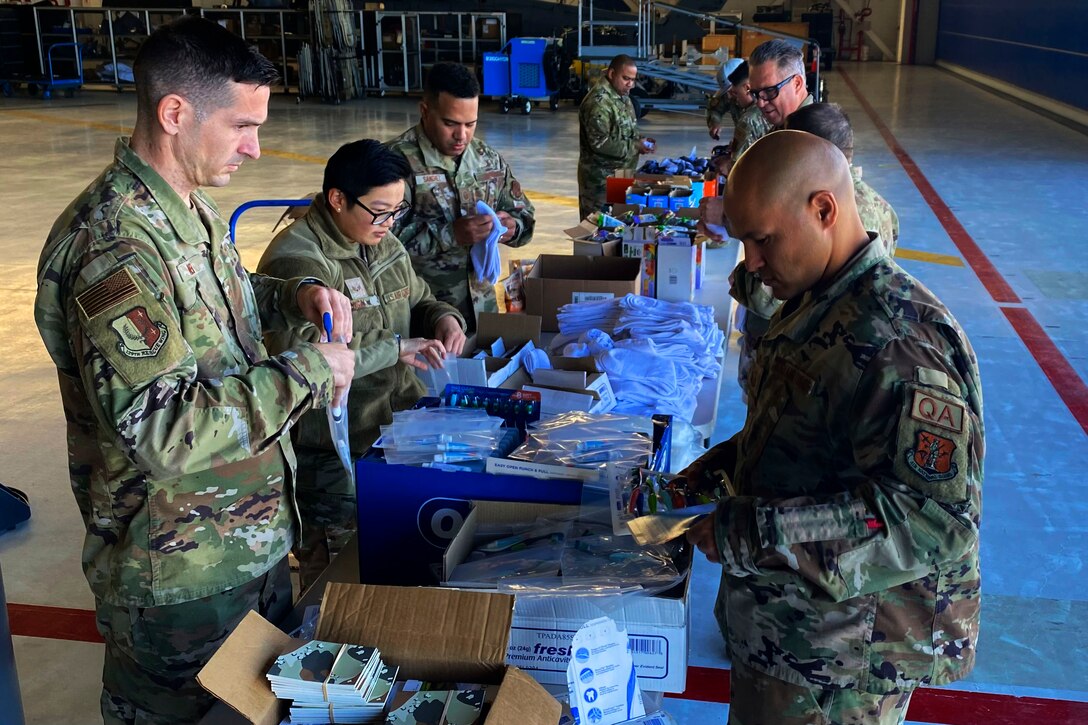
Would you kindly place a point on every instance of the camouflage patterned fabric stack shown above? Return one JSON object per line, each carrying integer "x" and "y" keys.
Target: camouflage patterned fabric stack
{"x": 332, "y": 682}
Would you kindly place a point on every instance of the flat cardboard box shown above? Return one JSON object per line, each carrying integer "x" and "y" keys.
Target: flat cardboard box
{"x": 431, "y": 633}
{"x": 557, "y": 280}
{"x": 593, "y": 394}
{"x": 543, "y": 626}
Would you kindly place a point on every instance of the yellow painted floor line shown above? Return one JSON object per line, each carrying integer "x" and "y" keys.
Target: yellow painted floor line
{"x": 912, "y": 254}
{"x": 931, "y": 257}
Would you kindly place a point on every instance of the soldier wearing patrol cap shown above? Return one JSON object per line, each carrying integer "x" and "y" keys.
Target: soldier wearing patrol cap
{"x": 177, "y": 416}
{"x": 723, "y": 103}
{"x": 848, "y": 526}
{"x": 451, "y": 171}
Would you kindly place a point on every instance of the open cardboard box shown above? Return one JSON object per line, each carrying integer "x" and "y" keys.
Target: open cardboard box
{"x": 572, "y": 383}
{"x": 432, "y": 634}
{"x": 557, "y": 280}
{"x": 515, "y": 331}
{"x": 543, "y": 626}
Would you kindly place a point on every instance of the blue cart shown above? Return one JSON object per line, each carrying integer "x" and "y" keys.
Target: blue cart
{"x": 58, "y": 55}
{"x": 518, "y": 75}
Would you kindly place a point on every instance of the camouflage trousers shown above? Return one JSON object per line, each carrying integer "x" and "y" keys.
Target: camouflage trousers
{"x": 326, "y": 503}
{"x": 759, "y": 699}
{"x": 591, "y": 189}
{"x": 153, "y": 654}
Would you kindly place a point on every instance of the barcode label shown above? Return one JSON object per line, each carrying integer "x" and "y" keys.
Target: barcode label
{"x": 673, "y": 279}
{"x": 578, "y": 297}
{"x": 645, "y": 645}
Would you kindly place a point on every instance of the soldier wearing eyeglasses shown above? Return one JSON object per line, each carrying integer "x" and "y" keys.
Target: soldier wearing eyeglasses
{"x": 345, "y": 240}
{"x": 776, "y": 74}
{"x": 451, "y": 171}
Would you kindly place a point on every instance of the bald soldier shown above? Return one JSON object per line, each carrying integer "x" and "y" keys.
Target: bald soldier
{"x": 848, "y": 528}
{"x": 608, "y": 133}
{"x": 828, "y": 121}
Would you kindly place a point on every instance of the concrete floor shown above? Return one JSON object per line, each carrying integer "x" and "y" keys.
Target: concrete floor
{"x": 1016, "y": 182}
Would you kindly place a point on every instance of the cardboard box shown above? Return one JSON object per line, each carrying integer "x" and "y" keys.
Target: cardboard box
{"x": 676, "y": 267}
{"x": 543, "y": 626}
{"x": 584, "y": 244}
{"x": 519, "y": 334}
{"x": 432, "y": 634}
{"x": 649, "y": 269}
{"x": 557, "y": 280}
{"x": 561, "y": 391}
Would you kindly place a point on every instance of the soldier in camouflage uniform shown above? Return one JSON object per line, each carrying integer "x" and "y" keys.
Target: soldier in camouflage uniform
{"x": 344, "y": 240}
{"x": 451, "y": 171}
{"x": 608, "y": 133}
{"x": 177, "y": 417}
{"x": 751, "y": 125}
{"x": 828, "y": 121}
{"x": 776, "y": 74}
{"x": 848, "y": 537}
{"x": 723, "y": 103}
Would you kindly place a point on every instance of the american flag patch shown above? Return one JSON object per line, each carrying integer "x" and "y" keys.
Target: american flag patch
{"x": 108, "y": 293}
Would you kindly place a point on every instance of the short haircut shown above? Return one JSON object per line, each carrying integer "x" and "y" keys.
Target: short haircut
{"x": 826, "y": 120}
{"x": 196, "y": 59}
{"x": 783, "y": 53}
{"x": 621, "y": 61}
{"x": 739, "y": 75}
{"x": 452, "y": 78}
{"x": 360, "y": 166}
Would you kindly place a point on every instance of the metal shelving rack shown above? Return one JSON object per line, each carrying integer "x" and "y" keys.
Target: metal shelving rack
{"x": 409, "y": 42}
{"x": 113, "y": 35}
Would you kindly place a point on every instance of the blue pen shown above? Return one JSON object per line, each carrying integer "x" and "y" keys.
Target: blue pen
{"x": 338, "y": 424}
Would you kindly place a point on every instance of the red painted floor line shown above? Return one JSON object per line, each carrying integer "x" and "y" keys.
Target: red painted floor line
{"x": 993, "y": 281}
{"x": 705, "y": 684}
{"x": 32, "y": 620}
{"x": 1055, "y": 366}
{"x": 939, "y": 706}
{"x": 1067, "y": 383}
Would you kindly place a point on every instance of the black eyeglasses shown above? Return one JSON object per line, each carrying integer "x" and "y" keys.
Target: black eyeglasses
{"x": 381, "y": 217}
{"x": 771, "y": 92}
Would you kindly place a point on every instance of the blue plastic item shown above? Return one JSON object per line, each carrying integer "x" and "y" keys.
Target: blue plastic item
{"x": 55, "y": 57}
{"x": 256, "y": 203}
{"x": 11, "y": 713}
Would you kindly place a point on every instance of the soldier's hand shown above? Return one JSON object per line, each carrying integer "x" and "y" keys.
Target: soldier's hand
{"x": 342, "y": 362}
{"x": 511, "y": 227}
{"x": 716, "y": 132}
{"x": 712, "y": 218}
{"x": 314, "y": 301}
{"x": 432, "y": 352}
{"x": 647, "y": 145}
{"x": 449, "y": 331}
{"x": 701, "y": 535}
{"x": 468, "y": 230}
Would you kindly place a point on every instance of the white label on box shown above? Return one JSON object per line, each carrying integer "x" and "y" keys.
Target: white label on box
{"x": 546, "y": 649}
{"x": 577, "y": 297}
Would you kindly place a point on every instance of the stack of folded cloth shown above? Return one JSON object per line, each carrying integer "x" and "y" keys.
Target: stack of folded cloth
{"x": 656, "y": 353}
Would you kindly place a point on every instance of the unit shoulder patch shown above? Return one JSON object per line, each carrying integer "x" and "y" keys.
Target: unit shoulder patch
{"x": 931, "y": 450}
{"x": 140, "y": 335}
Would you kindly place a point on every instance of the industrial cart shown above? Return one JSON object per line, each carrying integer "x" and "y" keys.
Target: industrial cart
{"x": 54, "y": 79}
{"x": 518, "y": 75}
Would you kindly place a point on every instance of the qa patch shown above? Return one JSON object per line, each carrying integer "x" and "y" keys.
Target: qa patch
{"x": 932, "y": 457}
{"x": 140, "y": 335}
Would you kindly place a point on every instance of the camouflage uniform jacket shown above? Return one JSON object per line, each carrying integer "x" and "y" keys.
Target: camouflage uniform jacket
{"x": 441, "y": 189}
{"x": 850, "y": 551}
{"x": 177, "y": 417}
{"x": 876, "y": 213}
{"x": 608, "y": 130}
{"x": 387, "y": 298}
{"x": 718, "y": 107}
{"x": 751, "y": 127}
